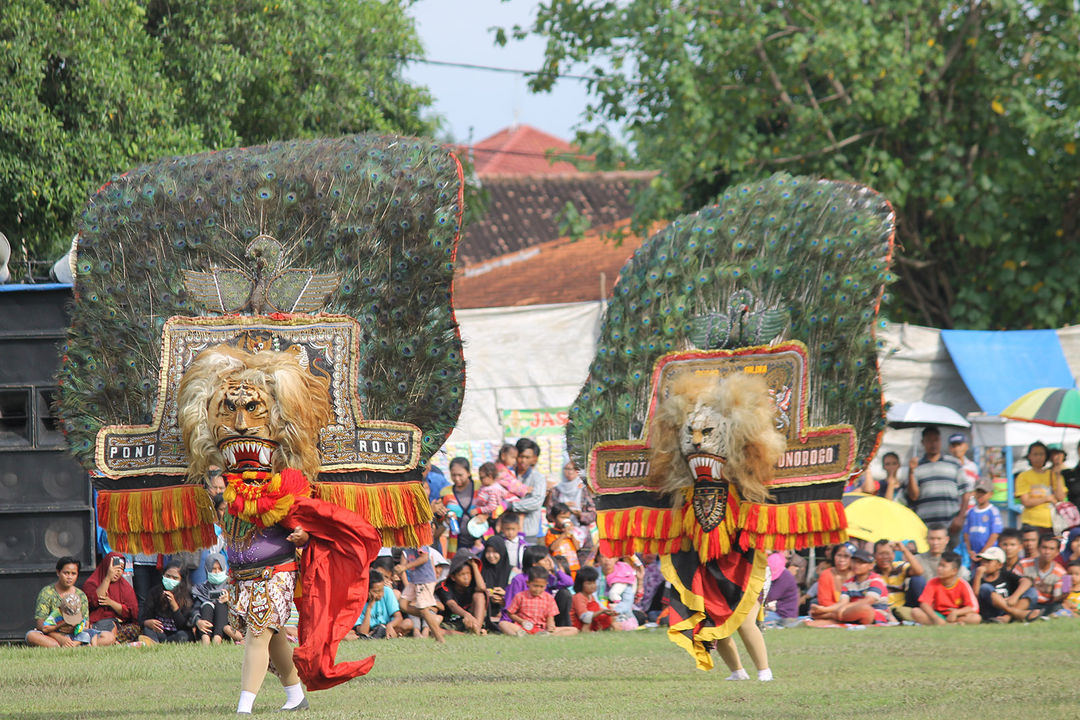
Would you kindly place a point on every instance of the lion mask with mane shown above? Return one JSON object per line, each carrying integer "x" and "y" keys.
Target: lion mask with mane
{"x": 229, "y": 396}
{"x": 731, "y": 420}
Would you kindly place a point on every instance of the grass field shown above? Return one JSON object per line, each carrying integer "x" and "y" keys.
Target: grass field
{"x": 984, "y": 672}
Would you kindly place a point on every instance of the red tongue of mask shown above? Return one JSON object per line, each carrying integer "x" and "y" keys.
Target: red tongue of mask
{"x": 704, "y": 473}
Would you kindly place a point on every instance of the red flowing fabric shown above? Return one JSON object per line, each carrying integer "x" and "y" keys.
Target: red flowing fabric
{"x": 334, "y": 585}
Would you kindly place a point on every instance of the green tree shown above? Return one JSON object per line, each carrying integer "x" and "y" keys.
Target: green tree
{"x": 93, "y": 88}
{"x": 965, "y": 115}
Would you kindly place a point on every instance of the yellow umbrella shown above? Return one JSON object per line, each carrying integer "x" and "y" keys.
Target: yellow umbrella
{"x": 874, "y": 518}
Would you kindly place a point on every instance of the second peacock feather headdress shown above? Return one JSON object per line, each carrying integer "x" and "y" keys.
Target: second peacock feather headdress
{"x": 781, "y": 278}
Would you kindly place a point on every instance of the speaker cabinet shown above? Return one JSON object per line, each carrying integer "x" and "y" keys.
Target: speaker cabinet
{"x": 41, "y": 480}
{"x": 35, "y": 541}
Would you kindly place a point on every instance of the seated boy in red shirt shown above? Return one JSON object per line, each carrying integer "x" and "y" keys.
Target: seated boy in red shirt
{"x": 534, "y": 611}
{"x": 948, "y": 598}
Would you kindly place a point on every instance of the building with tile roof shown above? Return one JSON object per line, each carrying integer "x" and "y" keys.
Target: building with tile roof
{"x": 558, "y": 271}
{"x": 523, "y": 150}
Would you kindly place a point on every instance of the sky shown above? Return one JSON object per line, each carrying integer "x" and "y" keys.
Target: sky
{"x": 479, "y": 102}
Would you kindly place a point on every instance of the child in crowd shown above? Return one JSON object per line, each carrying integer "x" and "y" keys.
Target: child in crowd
{"x": 212, "y": 603}
{"x": 559, "y": 584}
{"x": 621, "y": 581}
{"x": 1071, "y": 588}
{"x": 982, "y": 524}
{"x": 947, "y": 599}
{"x": 418, "y": 597}
{"x": 495, "y": 572}
{"x": 504, "y": 467}
{"x": 510, "y": 529}
{"x": 560, "y": 537}
{"x": 863, "y": 598}
{"x": 493, "y": 497}
{"x": 463, "y": 596}
{"x": 533, "y": 611}
{"x": 1009, "y": 542}
{"x": 381, "y": 616}
{"x": 586, "y": 614}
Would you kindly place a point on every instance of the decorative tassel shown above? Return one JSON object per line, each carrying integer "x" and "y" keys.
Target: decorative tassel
{"x": 399, "y": 511}
{"x": 163, "y": 520}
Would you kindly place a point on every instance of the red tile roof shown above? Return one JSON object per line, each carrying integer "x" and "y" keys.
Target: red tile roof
{"x": 522, "y": 150}
{"x": 559, "y": 271}
{"x": 524, "y": 210}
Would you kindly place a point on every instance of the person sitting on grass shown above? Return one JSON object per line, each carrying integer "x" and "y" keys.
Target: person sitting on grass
{"x": 212, "y": 603}
{"x": 1009, "y": 542}
{"x": 62, "y": 611}
{"x": 1045, "y": 574}
{"x": 113, "y": 606}
{"x": 418, "y": 598}
{"x": 1071, "y": 604}
{"x": 831, "y": 580}
{"x": 863, "y": 598}
{"x": 947, "y": 598}
{"x": 1003, "y": 596}
{"x": 586, "y": 614}
{"x": 167, "y": 616}
{"x": 896, "y": 574}
{"x": 533, "y": 611}
{"x": 381, "y": 616}
{"x": 559, "y": 584}
{"x": 463, "y": 596}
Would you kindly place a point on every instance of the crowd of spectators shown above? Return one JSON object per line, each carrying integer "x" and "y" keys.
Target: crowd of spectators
{"x": 517, "y": 554}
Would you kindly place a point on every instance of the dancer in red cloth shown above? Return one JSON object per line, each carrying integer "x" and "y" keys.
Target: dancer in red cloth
{"x": 260, "y": 413}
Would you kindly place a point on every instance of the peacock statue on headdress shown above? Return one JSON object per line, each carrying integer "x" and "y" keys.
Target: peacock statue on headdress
{"x": 735, "y": 389}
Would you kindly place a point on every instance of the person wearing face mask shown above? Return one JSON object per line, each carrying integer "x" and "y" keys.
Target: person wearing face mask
{"x": 167, "y": 615}
{"x": 210, "y": 611}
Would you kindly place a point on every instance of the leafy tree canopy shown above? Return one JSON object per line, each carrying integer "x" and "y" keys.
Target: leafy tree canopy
{"x": 965, "y": 115}
{"x": 91, "y": 89}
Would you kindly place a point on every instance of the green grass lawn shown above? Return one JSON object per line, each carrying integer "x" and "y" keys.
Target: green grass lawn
{"x": 980, "y": 672}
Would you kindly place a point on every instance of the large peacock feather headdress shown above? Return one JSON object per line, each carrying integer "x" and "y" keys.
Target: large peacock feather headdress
{"x": 786, "y": 259}
{"x": 339, "y": 250}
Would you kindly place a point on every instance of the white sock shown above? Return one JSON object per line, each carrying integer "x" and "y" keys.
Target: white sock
{"x": 739, "y": 674}
{"x": 764, "y": 675}
{"x": 294, "y": 695}
{"x": 247, "y": 699}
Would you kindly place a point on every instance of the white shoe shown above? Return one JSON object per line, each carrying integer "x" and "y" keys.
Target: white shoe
{"x": 740, "y": 674}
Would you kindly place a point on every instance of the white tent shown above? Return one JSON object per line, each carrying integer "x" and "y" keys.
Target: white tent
{"x": 538, "y": 357}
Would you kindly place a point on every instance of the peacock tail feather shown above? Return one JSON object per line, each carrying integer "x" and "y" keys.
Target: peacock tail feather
{"x": 373, "y": 221}
{"x": 789, "y": 258}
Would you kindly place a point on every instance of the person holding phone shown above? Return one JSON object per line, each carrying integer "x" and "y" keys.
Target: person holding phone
{"x": 210, "y": 610}
{"x": 113, "y": 607}
{"x": 167, "y": 616}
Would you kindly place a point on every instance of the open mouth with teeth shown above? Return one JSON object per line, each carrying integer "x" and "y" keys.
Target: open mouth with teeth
{"x": 706, "y": 466}
{"x": 248, "y": 453}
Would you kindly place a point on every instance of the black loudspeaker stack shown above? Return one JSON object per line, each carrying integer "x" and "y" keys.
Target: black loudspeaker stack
{"x": 45, "y": 496}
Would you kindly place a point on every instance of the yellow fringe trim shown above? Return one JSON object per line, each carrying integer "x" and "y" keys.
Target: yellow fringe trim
{"x": 401, "y": 512}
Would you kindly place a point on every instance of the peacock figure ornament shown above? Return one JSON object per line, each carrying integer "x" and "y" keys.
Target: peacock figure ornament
{"x": 735, "y": 390}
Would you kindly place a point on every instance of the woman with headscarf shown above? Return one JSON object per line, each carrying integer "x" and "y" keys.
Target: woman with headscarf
{"x": 1071, "y": 549}
{"x": 210, "y": 611}
{"x": 571, "y": 491}
{"x": 495, "y": 572}
{"x": 113, "y": 606}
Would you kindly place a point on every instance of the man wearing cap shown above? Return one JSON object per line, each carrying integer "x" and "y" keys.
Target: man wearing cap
{"x": 982, "y": 524}
{"x": 958, "y": 448}
{"x": 1003, "y": 596}
{"x": 937, "y": 487}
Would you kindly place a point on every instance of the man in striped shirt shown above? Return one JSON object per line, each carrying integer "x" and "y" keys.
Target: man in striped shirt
{"x": 936, "y": 484}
